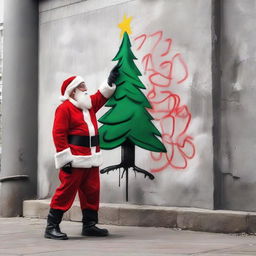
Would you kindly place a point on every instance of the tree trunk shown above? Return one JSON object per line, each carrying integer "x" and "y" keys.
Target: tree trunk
{"x": 128, "y": 154}
{"x": 127, "y": 160}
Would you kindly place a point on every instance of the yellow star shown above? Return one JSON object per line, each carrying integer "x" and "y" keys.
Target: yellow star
{"x": 125, "y": 26}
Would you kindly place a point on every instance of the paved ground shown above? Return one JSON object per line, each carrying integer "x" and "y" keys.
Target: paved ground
{"x": 23, "y": 236}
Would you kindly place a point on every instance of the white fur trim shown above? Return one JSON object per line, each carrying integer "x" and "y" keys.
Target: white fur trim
{"x": 63, "y": 157}
{"x": 87, "y": 161}
{"x": 88, "y": 121}
{"x": 78, "y": 80}
{"x": 106, "y": 90}
{"x": 91, "y": 129}
{"x": 73, "y": 102}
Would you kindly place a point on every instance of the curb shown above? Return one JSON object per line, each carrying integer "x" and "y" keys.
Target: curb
{"x": 220, "y": 221}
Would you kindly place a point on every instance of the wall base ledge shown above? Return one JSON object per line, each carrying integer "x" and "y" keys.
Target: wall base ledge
{"x": 196, "y": 219}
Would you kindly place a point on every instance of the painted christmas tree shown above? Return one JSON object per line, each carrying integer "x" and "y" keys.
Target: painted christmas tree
{"x": 128, "y": 122}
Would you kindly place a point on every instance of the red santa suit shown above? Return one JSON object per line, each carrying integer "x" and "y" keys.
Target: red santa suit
{"x": 75, "y": 135}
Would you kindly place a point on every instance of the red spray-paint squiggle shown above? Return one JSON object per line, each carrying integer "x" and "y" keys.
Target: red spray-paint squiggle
{"x": 173, "y": 117}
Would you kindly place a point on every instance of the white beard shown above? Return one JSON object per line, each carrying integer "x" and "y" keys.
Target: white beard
{"x": 83, "y": 99}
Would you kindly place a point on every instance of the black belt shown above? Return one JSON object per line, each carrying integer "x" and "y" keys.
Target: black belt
{"x": 84, "y": 141}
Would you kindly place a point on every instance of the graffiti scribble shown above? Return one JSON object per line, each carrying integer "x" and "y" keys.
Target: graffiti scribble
{"x": 174, "y": 118}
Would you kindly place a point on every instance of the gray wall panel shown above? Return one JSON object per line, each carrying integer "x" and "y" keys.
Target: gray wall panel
{"x": 83, "y": 38}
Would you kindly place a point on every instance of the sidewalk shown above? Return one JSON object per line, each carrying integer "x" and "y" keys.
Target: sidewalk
{"x": 24, "y": 236}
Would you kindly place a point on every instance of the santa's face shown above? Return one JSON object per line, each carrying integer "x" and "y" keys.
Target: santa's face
{"x": 81, "y": 96}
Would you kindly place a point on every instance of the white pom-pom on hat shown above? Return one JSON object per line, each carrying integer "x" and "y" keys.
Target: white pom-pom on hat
{"x": 62, "y": 98}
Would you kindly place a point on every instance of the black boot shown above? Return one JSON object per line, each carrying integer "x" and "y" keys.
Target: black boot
{"x": 53, "y": 229}
{"x": 90, "y": 219}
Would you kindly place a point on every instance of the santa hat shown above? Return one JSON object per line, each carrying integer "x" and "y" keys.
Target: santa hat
{"x": 69, "y": 85}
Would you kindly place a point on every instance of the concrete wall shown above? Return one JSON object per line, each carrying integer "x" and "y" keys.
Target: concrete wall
{"x": 1, "y": 65}
{"x": 81, "y": 37}
{"x": 1, "y": 11}
{"x": 238, "y": 64}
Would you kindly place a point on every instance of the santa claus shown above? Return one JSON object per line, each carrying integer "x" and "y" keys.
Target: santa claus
{"x": 76, "y": 138}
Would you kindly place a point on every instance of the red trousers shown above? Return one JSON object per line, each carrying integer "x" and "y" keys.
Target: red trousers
{"x": 85, "y": 181}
